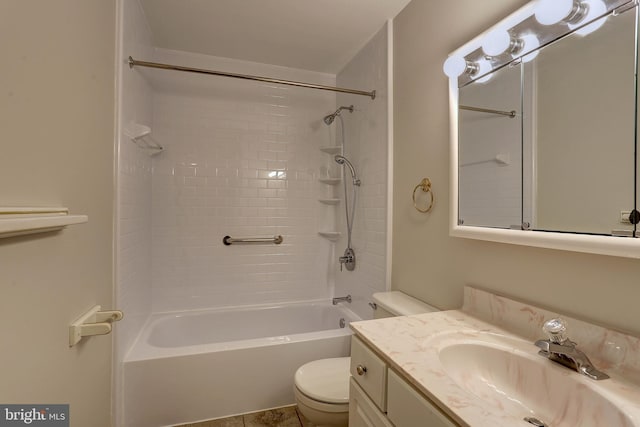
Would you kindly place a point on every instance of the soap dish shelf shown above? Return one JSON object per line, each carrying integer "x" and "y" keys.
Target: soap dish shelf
{"x": 332, "y": 236}
{"x": 331, "y": 149}
{"x": 331, "y": 202}
{"x": 330, "y": 181}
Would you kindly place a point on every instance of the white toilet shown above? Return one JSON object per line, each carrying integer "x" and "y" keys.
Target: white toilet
{"x": 322, "y": 386}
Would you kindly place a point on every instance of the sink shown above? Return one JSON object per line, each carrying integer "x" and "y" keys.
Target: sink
{"x": 507, "y": 375}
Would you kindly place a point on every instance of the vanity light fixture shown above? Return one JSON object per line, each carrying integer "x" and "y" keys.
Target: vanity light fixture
{"x": 519, "y": 36}
{"x": 499, "y": 41}
{"x": 550, "y": 12}
{"x": 456, "y": 65}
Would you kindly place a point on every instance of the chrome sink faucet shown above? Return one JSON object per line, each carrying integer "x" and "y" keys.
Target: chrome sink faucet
{"x": 561, "y": 349}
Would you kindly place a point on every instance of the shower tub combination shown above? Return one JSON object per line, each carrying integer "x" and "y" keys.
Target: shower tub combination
{"x": 195, "y": 366}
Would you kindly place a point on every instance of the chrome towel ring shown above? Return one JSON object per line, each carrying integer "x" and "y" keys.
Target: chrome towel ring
{"x": 425, "y": 185}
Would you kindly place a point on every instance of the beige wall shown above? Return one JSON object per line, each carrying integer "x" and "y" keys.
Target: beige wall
{"x": 56, "y": 135}
{"x": 429, "y": 264}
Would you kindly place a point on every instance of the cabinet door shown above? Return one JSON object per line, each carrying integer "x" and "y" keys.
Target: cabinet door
{"x": 408, "y": 408}
{"x": 362, "y": 411}
{"x": 369, "y": 371}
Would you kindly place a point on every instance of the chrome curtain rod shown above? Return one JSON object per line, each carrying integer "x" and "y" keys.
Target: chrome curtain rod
{"x": 510, "y": 114}
{"x": 135, "y": 63}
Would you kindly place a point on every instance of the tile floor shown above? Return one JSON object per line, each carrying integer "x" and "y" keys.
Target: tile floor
{"x": 281, "y": 417}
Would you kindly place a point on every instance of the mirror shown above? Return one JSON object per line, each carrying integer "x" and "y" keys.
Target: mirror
{"x": 490, "y": 151}
{"x": 583, "y": 115}
{"x": 565, "y": 160}
{"x": 547, "y": 142}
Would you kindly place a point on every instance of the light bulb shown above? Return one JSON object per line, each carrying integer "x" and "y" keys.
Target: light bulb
{"x": 531, "y": 45}
{"x": 484, "y": 66}
{"x": 454, "y": 66}
{"x": 549, "y": 12}
{"x": 596, "y": 8}
{"x": 496, "y": 42}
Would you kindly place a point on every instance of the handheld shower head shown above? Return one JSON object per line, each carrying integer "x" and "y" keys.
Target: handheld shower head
{"x": 341, "y": 160}
{"x": 331, "y": 117}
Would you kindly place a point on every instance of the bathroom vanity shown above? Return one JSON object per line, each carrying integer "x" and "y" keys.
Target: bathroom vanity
{"x": 479, "y": 366}
{"x": 380, "y": 397}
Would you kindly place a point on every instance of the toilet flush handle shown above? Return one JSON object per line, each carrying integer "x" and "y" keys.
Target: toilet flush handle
{"x": 361, "y": 370}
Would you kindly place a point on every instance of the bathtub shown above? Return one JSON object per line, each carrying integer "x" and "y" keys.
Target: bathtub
{"x": 195, "y": 366}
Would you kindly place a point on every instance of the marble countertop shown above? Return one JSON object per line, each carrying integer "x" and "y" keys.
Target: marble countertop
{"x": 412, "y": 346}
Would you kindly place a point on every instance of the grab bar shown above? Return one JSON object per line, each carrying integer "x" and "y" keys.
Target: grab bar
{"x": 228, "y": 240}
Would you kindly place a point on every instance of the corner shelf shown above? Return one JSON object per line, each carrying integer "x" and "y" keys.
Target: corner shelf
{"x": 330, "y": 181}
{"x": 18, "y": 221}
{"x": 331, "y": 202}
{"x": 330, "y": 235}
{"x": 331, "y": 149}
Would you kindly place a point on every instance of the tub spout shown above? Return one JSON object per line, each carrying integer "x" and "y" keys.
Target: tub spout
{"x": 338, "y": 299}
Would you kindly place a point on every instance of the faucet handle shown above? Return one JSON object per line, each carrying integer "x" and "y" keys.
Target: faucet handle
{"x": 555, "y": 329}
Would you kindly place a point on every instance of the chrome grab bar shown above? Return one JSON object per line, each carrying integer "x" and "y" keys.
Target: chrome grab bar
{"x": 228, "y": 240}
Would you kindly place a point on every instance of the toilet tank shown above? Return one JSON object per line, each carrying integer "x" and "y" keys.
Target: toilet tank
{"x": 396, "y": 303}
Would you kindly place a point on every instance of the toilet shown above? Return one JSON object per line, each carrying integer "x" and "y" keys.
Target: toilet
{"x": 322, "y": 386}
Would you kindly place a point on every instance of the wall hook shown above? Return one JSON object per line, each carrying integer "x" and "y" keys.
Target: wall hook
{"x": 93, "y": 322}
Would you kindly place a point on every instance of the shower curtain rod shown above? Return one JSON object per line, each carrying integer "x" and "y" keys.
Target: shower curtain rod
{"x": 134, "y": 62}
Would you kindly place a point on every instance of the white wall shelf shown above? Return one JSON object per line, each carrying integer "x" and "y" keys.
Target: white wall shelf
{"x": 331, "y": 202}
{"x": 332, "y": 149}
{"x": 330, "y": 181}
{"x": 17, "y": 221}
{"x": 330, "y": 235}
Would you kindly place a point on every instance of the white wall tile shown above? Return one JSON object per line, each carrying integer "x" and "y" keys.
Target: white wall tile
{"x": 366, "y": 147}
{"x": 133, "y": 238}
{"x": 237, "y": 163}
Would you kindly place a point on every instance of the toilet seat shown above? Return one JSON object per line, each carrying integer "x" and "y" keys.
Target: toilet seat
{"x": 325, "y": 381}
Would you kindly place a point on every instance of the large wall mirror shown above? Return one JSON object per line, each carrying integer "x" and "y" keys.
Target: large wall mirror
{"x": 544, "y": 129}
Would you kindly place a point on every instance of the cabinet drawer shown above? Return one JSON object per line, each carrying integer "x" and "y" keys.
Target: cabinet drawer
{"x": 408, "y": 408}
{"x": 370, "y": 372}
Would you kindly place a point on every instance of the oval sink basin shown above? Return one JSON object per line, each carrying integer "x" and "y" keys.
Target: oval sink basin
{"x": 514, "y": 379}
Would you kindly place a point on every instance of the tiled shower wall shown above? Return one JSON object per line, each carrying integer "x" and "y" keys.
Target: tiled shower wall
{"x": 134, "y": 186}
{"x": 366, "y": 147}
{"x": 242, "y": 159}
{"x": 133, "y": 223}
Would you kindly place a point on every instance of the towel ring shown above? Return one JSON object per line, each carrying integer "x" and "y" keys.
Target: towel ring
{"x": 425, "y": 185}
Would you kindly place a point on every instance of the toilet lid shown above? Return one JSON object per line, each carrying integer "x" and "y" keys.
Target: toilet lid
{"x": 325, "y": 380}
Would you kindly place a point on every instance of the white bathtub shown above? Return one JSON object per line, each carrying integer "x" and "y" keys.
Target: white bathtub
{"x": 194, "y": 366}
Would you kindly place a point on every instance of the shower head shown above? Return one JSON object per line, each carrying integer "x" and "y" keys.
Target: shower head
{"x": 341, "y": 160}
{"x": 331, "y": 117}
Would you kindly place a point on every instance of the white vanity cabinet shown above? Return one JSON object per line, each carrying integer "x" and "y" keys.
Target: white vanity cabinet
{"x": 379, "y": 397}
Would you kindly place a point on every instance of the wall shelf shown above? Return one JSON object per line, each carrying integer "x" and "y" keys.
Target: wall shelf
{"x": 330, "y": 235}
{"x": 332, "y": 149}
{"x": 332, "y": 202}
{"x": 17, "y": 221}
{"x": 330, "y": 181}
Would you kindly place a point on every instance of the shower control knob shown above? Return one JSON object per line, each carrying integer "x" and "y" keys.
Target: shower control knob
{"x": 361, "y": 370}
